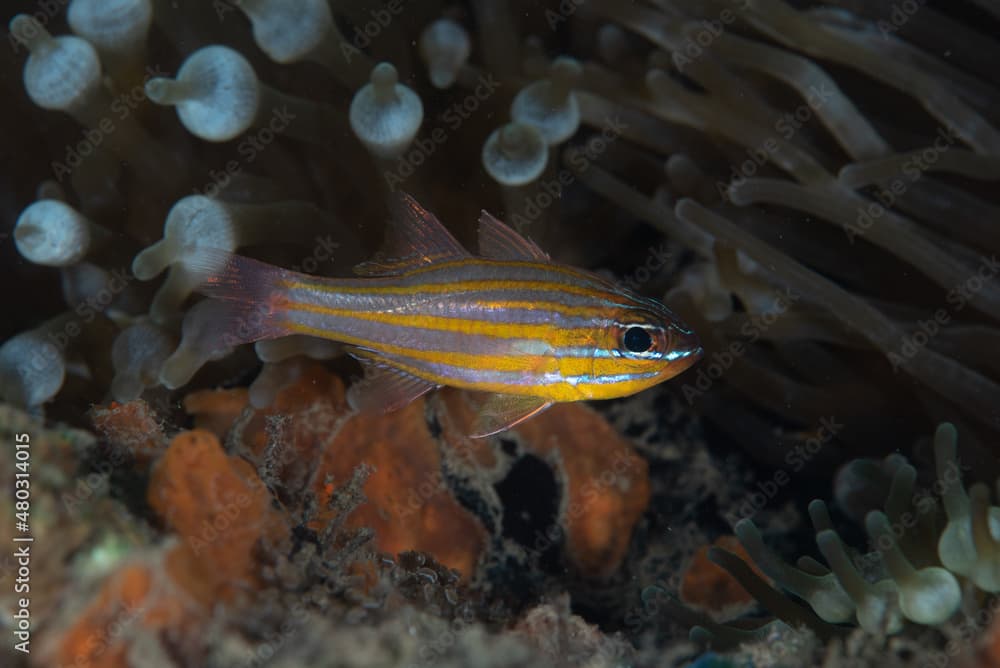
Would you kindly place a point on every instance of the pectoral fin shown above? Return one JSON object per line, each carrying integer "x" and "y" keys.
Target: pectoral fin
{"x": 502, "y": 411}
{"x": 384, "y": 387}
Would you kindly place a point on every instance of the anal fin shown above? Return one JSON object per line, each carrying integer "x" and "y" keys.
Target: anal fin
{"x": 384, "y": 387}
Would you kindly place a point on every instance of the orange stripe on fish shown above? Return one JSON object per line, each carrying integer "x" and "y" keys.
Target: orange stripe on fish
{"x": 427, "y": 313}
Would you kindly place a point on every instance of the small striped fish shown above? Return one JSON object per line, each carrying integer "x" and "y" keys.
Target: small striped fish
{"x": 510, "y": 322}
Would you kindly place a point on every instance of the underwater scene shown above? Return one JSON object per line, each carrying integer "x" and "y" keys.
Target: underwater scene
{"x": 500, "y": 334}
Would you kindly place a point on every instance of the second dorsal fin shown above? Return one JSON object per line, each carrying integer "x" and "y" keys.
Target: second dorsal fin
{"x": 414, "y": 237}
{"x": 501, "y": 242}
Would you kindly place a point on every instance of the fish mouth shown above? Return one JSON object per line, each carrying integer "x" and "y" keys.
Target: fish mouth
{"x": 686, "y": 351}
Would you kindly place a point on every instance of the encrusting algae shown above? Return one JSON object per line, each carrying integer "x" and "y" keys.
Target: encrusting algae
{"x": 226, "y": 518}
{"x": 219, "y": 507}
{"x": 439, "y": 525}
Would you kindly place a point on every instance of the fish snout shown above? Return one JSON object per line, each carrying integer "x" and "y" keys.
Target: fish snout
{"x": 685, "y": 349}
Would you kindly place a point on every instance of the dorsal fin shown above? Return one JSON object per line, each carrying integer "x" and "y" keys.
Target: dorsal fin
{"x": 501, "y": 242}
{"x": 414, "y": 237}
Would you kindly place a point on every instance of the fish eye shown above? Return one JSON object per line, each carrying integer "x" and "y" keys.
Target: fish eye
{"x": 637, "y": 339}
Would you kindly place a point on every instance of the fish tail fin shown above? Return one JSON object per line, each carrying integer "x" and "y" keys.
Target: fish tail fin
{"x": 252, "y": 294}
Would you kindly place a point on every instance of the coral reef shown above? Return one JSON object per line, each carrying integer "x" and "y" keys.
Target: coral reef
{"x": 606, "y": 485}
{"x": 924, "y": 565}
{"x": 229, "y": 529}
{"x": 218, "y": 507}
{"x": 439, "y": 524}
{"x": 708, "y": 588}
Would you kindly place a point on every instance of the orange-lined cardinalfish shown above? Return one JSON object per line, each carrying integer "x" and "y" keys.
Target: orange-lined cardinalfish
{"x": 510, "y": 322}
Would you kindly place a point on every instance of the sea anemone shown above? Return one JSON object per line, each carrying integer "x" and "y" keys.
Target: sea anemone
{"x": 919, "y": 562}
